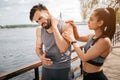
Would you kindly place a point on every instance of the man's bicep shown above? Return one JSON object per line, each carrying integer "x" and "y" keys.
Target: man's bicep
{"x": 38, "y": 43}
{"x": 67, "y": 28}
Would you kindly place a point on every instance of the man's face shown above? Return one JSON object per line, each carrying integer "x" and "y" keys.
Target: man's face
{"x": 42, "y": 18}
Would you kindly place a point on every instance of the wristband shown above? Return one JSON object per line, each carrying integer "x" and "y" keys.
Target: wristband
{"x": 73, "y": 42}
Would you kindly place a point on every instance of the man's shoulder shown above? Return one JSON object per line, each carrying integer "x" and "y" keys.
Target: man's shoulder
{"x": 67, "y": 25}
{"x": 38, "y": 29}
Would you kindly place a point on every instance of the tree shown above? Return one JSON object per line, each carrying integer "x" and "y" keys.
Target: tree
{"x": 116, "y": 5}
{"x": 88, "y": 5}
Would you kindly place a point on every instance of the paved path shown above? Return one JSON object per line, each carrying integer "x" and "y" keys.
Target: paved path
{"x": 112, "y": 64}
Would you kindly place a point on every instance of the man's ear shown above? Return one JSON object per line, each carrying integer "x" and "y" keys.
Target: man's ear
{"x": 100, "y": 23}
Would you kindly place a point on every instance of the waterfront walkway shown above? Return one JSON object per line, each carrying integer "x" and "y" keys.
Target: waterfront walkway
{"x": 112, "y": 64}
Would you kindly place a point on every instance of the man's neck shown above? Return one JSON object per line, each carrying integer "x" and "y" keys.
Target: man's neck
{"x": 49, "y": 30}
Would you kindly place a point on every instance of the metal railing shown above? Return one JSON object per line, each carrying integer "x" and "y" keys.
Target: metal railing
{"x": 20, "y": 70}
{"x": 34, "y": 65}
{"x": 116, "y": 38}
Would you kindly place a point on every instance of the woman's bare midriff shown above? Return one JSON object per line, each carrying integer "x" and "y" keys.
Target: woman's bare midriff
{"x": 87, "y": 67}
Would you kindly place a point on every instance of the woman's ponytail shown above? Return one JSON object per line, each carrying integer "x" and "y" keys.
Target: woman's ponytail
{"x": 111, "y": 23}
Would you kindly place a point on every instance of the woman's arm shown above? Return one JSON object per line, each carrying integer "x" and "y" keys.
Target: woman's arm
{"x": 100, "y": 47}
{"x": 76, "y": 33}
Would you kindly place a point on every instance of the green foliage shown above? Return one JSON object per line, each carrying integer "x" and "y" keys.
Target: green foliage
{"x": 86, "y": 7}
{"x": 118, "y": 16}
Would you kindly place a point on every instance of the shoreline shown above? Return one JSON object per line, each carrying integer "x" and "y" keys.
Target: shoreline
{"x": 31, "y": 25}
{"x": 18, "y": 26}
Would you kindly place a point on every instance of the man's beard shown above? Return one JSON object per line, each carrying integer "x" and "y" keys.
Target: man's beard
{"x": 48, "y": 24}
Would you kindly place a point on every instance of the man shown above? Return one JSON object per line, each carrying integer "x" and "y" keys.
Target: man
{"x": 56, "y": 57}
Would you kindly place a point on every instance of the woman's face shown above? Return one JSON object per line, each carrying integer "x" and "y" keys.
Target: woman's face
{"x": 93, "y": 22}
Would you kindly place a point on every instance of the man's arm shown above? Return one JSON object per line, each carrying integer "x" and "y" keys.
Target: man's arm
{"x": 39, "y": 51}
{"x": 61, "y": 42}
{"x": 38, "y": 42}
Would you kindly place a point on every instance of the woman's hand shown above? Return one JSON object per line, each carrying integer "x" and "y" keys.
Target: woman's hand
{"x": 69, "y": 36}
{"x": 75, "y": 31}
{"x": 72, "y": 23}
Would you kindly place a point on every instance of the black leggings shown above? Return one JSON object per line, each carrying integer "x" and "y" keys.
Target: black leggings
{"x": 94, "y": 76}
{"x": 55, "y": 74}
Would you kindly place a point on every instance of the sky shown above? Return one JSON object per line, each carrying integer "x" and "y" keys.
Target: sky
{"x": 14, "y": 12}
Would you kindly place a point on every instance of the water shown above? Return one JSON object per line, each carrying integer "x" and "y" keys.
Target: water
{"x": 17, "y": 48}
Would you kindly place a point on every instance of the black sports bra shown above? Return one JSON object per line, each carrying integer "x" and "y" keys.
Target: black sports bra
{"x": 96, "y": 61}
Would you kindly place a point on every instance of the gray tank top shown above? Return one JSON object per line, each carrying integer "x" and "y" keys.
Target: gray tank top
{"x": 60, "y": 61}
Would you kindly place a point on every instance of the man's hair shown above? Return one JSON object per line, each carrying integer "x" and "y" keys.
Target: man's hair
{"x": 39, "y": 7}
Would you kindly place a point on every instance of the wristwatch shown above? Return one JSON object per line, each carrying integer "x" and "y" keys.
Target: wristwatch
{"x": 73, "y": 42}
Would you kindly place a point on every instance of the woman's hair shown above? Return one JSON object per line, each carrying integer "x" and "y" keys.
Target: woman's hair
{"x": 39, "y": 7}
{"x": 109, "y": 21}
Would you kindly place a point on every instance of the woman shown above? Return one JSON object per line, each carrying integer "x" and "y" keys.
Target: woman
{"x": 98, "y": 46}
